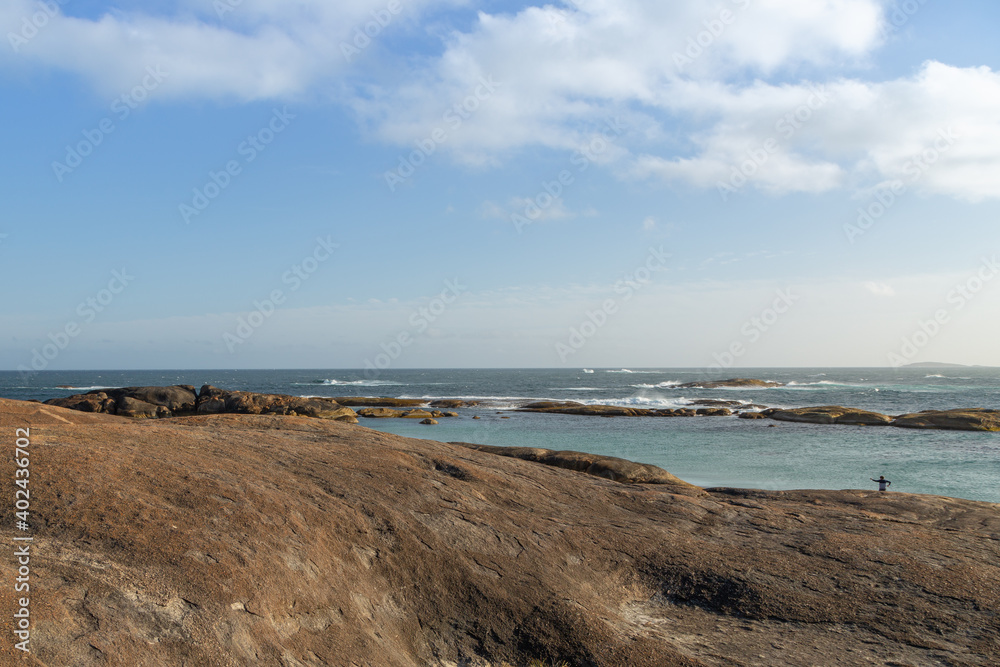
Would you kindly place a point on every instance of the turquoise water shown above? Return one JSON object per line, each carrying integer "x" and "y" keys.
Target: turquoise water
{"x": 717, "y": 451}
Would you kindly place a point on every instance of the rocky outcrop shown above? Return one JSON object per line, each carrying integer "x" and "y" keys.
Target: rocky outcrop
{"x": 182, "y": 400}
{"x": 609, "y": 467}
{"x": 178, "y": 399}
{"x": 98, "y": 402}
{"x": 732, "y": 382}
{"x": 380, "y": 413}
{"x": 212, "y": 400}
{"x": 429, "y": 422}
{"x": 453, "y": 403}
{"x": 131, "y": 407}
{"x": 713, "y": 412}
{"x": 752, "y": 415}
{"x": 830, "y": 414}
{"x": 379, "y": 402}
{"x": 416, "y": 414}
{"x": 267, "y": 540}
{"x": 967, "y": 419}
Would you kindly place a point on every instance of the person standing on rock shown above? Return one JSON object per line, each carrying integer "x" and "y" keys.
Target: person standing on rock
{"x": 883, "y": 483}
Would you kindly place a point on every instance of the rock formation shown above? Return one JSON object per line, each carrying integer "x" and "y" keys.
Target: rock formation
{"x": 732, "y": 382}
{"x": 830, "y": 414}
{"x": 256, "y": 539}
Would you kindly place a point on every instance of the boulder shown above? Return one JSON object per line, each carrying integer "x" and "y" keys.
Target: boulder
{"x": 550, "y": 405}
{"x": 732, "y": 382}
{"x": 179, "y": 399}
{"x": 573, "y": 408}
{"x": 453, "y": 403}
{"x": 379, "y": 402}
{"x": 417, "y": 414}
{"x": 831, "y": 414}
{"x": 379, "y": 413}
{"x": 428, "y": 421}
{"x": 212, "y": 400}
{"x": 97, "y": 402}
{"x": 713, "y": 412}
{"x": 133, "y": 407}
{"x": 752, "y": 415}
{"x": 966, "y": 419}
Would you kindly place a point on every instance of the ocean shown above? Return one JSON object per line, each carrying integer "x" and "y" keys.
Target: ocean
{"x": 707, "y": 451}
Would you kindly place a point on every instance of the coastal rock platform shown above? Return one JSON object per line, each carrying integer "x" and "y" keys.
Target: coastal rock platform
{"x": 237, "y": 539}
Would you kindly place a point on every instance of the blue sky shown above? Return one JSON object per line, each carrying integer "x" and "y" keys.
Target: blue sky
{"x": 498, "y": 178}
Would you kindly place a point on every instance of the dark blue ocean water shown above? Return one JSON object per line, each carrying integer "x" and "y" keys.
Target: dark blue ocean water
{"x": 722, "y": 451}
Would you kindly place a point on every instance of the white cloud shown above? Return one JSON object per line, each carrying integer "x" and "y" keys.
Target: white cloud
{"x": 676, "y": 73}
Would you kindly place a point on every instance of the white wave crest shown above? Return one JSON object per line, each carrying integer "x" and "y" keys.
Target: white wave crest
{"x": 661, "y": 385}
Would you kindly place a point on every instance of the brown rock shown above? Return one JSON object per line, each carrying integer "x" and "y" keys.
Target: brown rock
{"x": 417, "y": 414}
{"x": 132, "y": 407}
{"x": 266, "y": 540}
{"x": 831, "y": 414}
{"x": 212, "y": 400}
{"x": 453, "y": 403}
{"x": 428, "y": 421}
{"x": 93, "y": 402}
{"x": 713, "y": 412}
{"x": 732, "y": 382}
{"x": 572, "y": 408}
{"x": 379, "y": 402}
{"x": 967, "y": 419}
{"x": 752, "y": 415}
{"x": 380, "y": 413}
{"x": 550, "y": 405}
{"x": 178, "y": 399}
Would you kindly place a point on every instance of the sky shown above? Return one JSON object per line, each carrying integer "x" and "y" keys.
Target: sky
{"x": 387, "y": 184}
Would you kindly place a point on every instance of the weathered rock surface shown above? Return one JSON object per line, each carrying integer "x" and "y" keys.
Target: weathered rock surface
{"x": 212, "y": 400}
{"x": 429, "y": 422}
{"x": 265, "y": 540}
{"x": 968, "y": 419}
{"x": 732, "y": 382}
{"x": 609, "y": 467}
{"x": 453, "y": 403}
{"x": 379, "y": 402}
{"x": 752, "y": 415}
{"x": 831, "y": 414}
{"x": 131, "y": 407}
{"x": 380, "y": 413}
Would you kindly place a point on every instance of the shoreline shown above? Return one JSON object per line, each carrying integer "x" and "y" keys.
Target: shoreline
{"x": 158, "y": 402}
